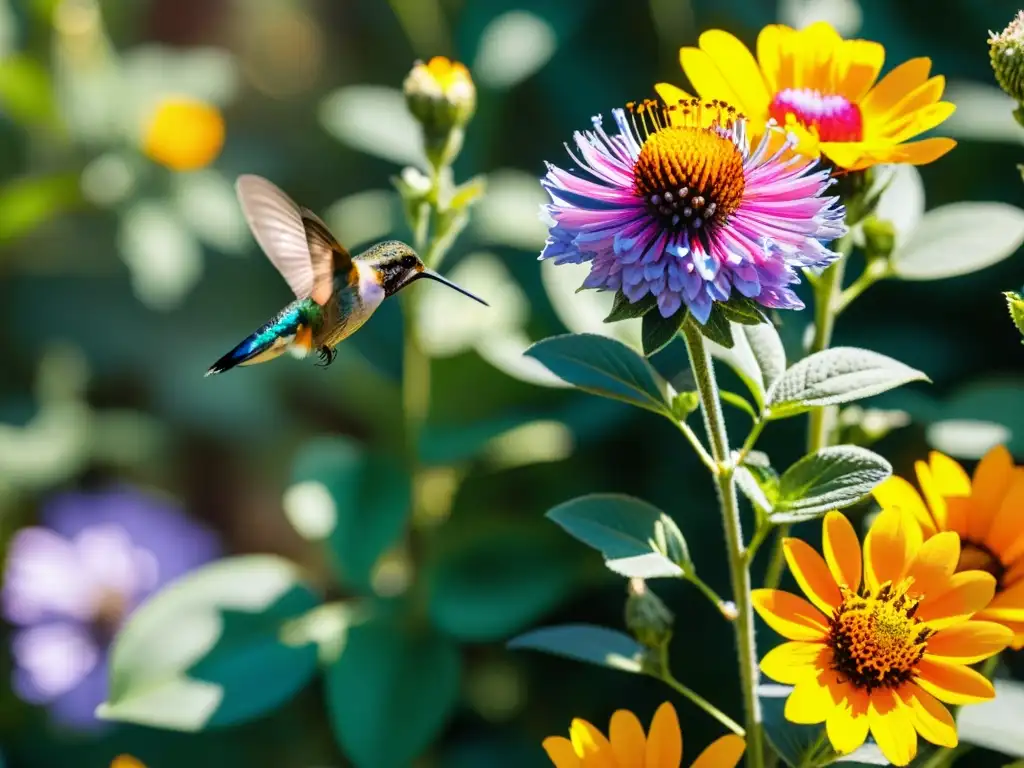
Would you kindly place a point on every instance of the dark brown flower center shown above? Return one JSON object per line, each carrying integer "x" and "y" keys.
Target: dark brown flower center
{"x": 875, "y": 638}
{"x": 975, "y": 556}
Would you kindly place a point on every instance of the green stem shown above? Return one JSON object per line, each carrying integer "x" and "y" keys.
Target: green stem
{"x": 727, "y": 609}
{"x": 698, "y": 446}
{"x": 751, "y": 441}
{"x": 714, "y": 424}
{"x": 669, "y": 679}
{"x": 827, "y": 291}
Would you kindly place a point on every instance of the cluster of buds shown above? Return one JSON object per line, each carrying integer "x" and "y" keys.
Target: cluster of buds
{"x": 1006, "y": 52}
{"x": 441, "y": 96}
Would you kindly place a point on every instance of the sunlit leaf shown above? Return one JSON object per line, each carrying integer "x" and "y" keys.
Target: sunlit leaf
{"x": 29, "y": 202}
{"x": 585, "y": 642}
{"x": 588, "y": 311}
{"x": 207, "y": 203}
{"x": 837, "y": 375}
{"x": 513, "y": 46}
{"x": 509, "y": 211}
{"x": 374, "y": 119}
{"x": 946, "y": 243}
{"x": 186, "y": 658}
{"x": 831, "y": 478}
{"x": 995, "y": 724}
{"x": 164, "y": 258}
{"x": 983, "y": 113}
{"x": 966, "y": 438}
{"x": 363, "y": 218}
{"x": 26, "y": 93}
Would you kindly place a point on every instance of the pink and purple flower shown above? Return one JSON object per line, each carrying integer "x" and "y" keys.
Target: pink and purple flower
{"x": 678, "y": 205}
{"x": 70, "y": 583}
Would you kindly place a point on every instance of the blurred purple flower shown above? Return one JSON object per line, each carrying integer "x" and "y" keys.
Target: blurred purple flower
{"x": 71, "y": 582}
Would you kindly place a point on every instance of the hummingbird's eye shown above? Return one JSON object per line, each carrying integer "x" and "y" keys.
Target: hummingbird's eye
{"x": 409, "y": 262}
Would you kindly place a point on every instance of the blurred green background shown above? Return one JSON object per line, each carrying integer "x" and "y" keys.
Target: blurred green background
{"x": 121, "y": 281}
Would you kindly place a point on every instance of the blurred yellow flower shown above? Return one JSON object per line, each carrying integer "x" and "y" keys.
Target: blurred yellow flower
{"x": 879, "y": 652}
{"x": 823, "y": 89}
{"x": 184, "y": 134}
{"x": 440, "y": 93}
{"x": 986, "y": 513}
{"x": 626, "y": 746}
{"x": 126, "y": 761}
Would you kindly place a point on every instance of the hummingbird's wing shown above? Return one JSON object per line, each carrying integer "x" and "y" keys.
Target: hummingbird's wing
{"x": 295, "y": 240}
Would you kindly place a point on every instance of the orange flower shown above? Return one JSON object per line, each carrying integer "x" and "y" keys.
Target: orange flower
{"x": 987, "y": 514}
{"x": 184, "y": 134}
{"x": 880, "y": 653}
{"x": 126, "y": 761}
{"x": 822, "y": 89}
{"x": 627, "y": 747}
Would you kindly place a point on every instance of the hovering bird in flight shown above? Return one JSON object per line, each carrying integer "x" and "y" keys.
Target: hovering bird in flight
{"x": 335, "y": 292}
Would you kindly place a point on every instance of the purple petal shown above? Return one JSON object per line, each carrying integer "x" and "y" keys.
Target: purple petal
{"x": 44, "y": 579}
{"x": 52, "y": 659}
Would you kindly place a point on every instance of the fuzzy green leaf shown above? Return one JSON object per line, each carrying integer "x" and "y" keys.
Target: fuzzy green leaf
{"x": 717, "y": 328}
{"x": 831, "y": 478}
{"x": 624, "y": 309}
{"x": 1015, "y": 303}
{"x": 657, "y": 331}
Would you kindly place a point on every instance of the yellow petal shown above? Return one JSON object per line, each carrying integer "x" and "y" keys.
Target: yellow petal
{"x": 791, "y": 662}
{"x": 739, "y": 69}
{"x": 930, "y": 718}
{"x": 855, "y": 67}
{"x": 892, "y": 727}
{"x": 127, "y": 761}
{"x": 628, "y": 741}
{"x": 992, "y": 479}
{"x": 950, "y": 478}
{"x": 775, "y": 56}
{"x": 818, "y": 44}
{"x": 958, "y": 512}
{"x": 847, "y": 724}
{"x": 664, "y": 740}
{"x": 812, "y": 574}
{"x": 897, "y": 493}
{"x": 934, "y": 563}
{"x": 932, "y": 498}
{"x": 968, "y": 593}
{"x": 705, "y": 77}
{"x": 813, "y": 698}
{"x": 591, "y": 745}
{"x": 791, "y": 616}
{"x": 892, "y": 540}
{"x": 842, "y": 550}
{"x": 923, "y": 96}
{"x": 860, "y": 155}
{"x": 970, "y": 642}
{"x": 671, "y": 94}
{"x": 909, "y": 126}
{"x": 1008, "y": 605}
{"x": 894, "y": 86}
{"x": 723, "y": 753}
{"x": 561, "y": 752}
{"x": 953, "y": 683}
{"x": 1008, "y": 522}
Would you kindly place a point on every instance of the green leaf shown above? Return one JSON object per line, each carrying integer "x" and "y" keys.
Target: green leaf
{"x": 585, "y": 642}
{"x": 495, "y": 587}
{"x": 738, "y": 401}
{"x": 26, "y": 92}
{"x": 624, "y": 309}
{"x": 995, "y": 724}
{"x": 767, "y": 350}
{"x": 29, "y": 202}
{"x": 837, "y": 375}
{"x": 371, "y": 496}
{"x": 831, "y": 478}
{"x": 1015, "y": 303}
{"x": 946, "y": 243}
{"x": 391, "y": 691}
{"x": 717, "y": 328}
{"x": 374, "y": 119}
{"x": 793, "y": 742}
{"x": 606, "y": 367}
{"x": 657, "y": 331}
{"x": 740, "y": 309}
{"x": 758, "y": 481}
{"x": 213, "y": 648}
{"x": 636, "y": 538}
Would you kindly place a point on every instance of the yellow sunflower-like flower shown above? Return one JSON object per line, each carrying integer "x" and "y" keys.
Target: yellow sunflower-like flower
{"x": 880, "y": 653}
{"x": 184, "y": 134}
{"x": 126, "y": 761}
{"x": 986, "y": 513}
{"x": 822, "y": 88}
{"x": 626, "y": 746}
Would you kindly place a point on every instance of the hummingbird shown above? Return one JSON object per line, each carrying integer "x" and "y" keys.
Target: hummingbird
{"x": 335, "y": 292}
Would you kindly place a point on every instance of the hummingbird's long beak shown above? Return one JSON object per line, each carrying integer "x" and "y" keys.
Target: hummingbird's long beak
{"x": 431, "y": 274}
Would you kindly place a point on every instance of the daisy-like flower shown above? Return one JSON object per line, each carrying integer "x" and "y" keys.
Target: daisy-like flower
{"x": 986, "y": 513}
{"x": 881, "y": 653}
{"x": 823, "y": 88}
{"x": 626, "y": 746}
{"x": 678, "y": 205}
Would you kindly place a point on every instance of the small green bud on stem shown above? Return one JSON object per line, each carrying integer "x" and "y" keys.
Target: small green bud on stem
{"x": 442, "y": 97}
{"x": 647, "y": 618}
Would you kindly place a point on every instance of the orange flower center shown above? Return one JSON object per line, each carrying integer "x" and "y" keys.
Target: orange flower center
{"x": 977, "y": 557}
{"x": 833, "y": 117}
{"x": 689, "y": 174}
{"x": 875, "y": 638}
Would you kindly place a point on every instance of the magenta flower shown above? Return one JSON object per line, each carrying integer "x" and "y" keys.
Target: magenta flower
{"x": 70, "y": 584}
{"x": 679, "y": 206}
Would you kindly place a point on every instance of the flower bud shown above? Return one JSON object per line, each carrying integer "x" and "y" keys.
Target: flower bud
{"x": 441, "y": 96}
{"x": 646, "y": 616}
{"x": 1015, "y": 303}
{"x": 184, "y": 134}
{"x": 879, "y": 238}
{"x": 1006, "y": 52}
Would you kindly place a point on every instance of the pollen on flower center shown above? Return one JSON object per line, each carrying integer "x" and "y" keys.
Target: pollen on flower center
{"x": 975, "y": 556}
{"x": 875, "y": 638}
{"x": 833, "y": 117}
{"x": 690, "y": 176}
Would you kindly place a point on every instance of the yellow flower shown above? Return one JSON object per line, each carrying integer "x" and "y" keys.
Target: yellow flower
{"x": 819, "y": 87}
{"x": 440, "y": 92}
{"x": 880, "y": 653}
{"x": 627, "y": 747}
{"x": 184, "y": 134}
{"x": 126, "y": 761}
{"x": 987, "y": 514}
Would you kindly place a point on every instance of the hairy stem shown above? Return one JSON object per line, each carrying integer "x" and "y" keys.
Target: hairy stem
{"x": 695, "y": 698}
{"x": 714, "y": 425}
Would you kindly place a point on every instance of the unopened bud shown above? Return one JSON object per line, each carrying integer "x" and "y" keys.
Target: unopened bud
{"x": 1006, "y": 52}
{"x": 879, "y": 238}
{"x": 647, "y": 617}
{"x": 441, "y": 96}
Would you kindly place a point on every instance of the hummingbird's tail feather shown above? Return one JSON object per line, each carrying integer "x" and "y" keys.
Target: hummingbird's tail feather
{"x": 286, "y": 332}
